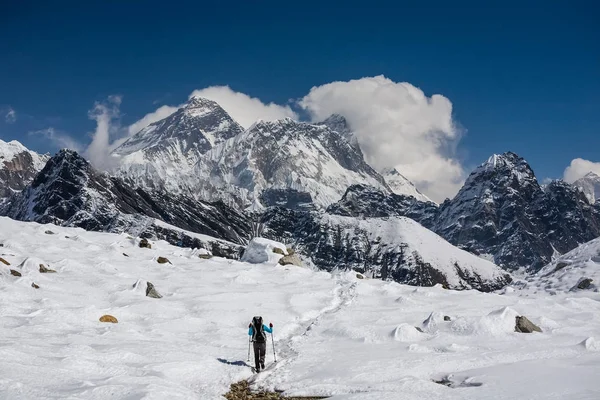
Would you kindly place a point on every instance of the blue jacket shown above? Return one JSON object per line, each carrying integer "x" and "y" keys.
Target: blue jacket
{"x": 265, "y": 328}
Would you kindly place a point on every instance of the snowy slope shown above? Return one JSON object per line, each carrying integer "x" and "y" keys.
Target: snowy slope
{"x": 590, "y": 185}
{"x": 568, "y": 270}
{"x": 163, "y": 154}
{"x": 335, "y": 335}
{"x": 401, "y": 185}
{"x": 394, "y": 248}
{"x": 288, "y": 155}
{"x": 18, "y": 166}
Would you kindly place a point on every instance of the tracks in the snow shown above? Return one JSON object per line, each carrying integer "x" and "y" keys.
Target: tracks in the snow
{"x": 344, "y": 295}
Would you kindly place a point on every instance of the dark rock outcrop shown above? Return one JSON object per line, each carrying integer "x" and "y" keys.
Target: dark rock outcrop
{"x": 69, "y": 192}
{"x": 366, "y": 201}
{"x": 333, "y": 242}
{"x": 152, "y": 292}
{"x": 523, "y": 325}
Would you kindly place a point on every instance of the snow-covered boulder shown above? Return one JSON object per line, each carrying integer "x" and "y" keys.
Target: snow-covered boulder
{"x": 261, "y": 250}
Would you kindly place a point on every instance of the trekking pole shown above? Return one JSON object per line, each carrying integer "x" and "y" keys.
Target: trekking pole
{"x": 249, "y": 341}
{"x": 273, "y": 342}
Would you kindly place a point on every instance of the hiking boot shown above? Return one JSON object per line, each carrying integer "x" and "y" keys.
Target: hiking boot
{"x": 262, "y": 365}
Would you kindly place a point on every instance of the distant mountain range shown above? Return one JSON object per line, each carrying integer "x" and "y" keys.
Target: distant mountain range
{"x": 198, "y": 178}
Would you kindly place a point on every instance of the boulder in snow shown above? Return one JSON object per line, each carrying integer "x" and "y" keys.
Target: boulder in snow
{"x": 108, "y": 318}
{"x": 523, "y": 325}
{"x": 3, "y": 261}
{"x": 584, "y": 283}
{"x": 407, "y": 333}
{"x": 261, "y": 250}
{"x": 33, "y": 285}
{"x": 290, "y": 260}
{"x": 277, "y": 250}
{"x": 163, "y": 260}
{"x": 590, "y": 344}
{"x": 15, "y": 273}
{"x": 145, "y": 244}
{"x": 151, "y": 291}
{"x": 49, "y": 232}
{"x": 44, "y": 270}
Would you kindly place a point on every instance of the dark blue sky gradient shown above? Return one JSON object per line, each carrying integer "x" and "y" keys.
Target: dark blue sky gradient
{"x": 522, "y": 76}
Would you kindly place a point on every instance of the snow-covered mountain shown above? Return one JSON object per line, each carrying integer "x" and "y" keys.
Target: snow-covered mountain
{"x": 163, "y": 155}
{"x": 18, "y": 167}
{"x": 502, "y": 211}
{"x": 70, "y": 192}
{"x": 202, "y": 152}
{"x": 339, "y": 124}
{"x": 401, "y": 185}
{"x": 579, "y": 269}
{"x": 288, "y": 156}
{"x": 590, "y": 185}
{"x": 394, "y": 248}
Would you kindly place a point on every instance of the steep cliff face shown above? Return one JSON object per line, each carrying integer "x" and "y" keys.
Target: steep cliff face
{"x": 503, "y": 212}
{"x": 590, "y": 186}
{"x": 70, "y": 192}
{"x": 367, "y": 201}
{"x": 18, "y": 167}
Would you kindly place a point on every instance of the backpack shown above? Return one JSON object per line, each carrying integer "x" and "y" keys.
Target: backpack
{"x": 258, "y": 333}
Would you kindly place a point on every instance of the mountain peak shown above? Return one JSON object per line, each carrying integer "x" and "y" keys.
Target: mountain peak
{"x": 339, "y": 124}
{"x": 507, "y": 159}
{"x": 590, "y": 186}
{"x": 504, "y": 166}
{"x": 18, "y": 166}
{"x": 401, "y": 185}
{"x": 197, "y": 101}
{"x": 591, "y": 175}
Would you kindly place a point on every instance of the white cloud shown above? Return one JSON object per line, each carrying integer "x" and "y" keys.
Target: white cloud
{"x": 11, "y": 116}
{"x": 98, "y": 151}
{"x": 60, "y": 139}
{"x": 243, "y": 108}
{"x": 160, "y": 113}
{"x": 579, "y": 168}
{"x": 397, "y": 125}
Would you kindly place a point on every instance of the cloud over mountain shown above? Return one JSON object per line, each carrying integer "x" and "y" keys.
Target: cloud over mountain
{"x": 397, "y": 125}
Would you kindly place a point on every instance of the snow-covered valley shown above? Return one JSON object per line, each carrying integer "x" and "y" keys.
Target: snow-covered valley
{"x": 335, "y": 334}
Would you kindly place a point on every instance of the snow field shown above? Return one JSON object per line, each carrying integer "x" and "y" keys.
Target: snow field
{"x": 335, "y": 334}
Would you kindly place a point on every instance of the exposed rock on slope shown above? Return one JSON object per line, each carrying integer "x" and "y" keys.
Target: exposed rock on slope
{"x": 18, "y": 167}
{"x": 394, "y": 248}
{"x": 69, "y": 192}
{"x": 367, "y": 201}
{"x": 502, "y": 211}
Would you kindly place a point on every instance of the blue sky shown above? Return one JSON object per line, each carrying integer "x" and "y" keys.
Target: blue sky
{"x": 522, "y": 76}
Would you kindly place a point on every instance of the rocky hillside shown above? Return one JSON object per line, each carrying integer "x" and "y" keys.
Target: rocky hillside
{"x": 70, "y": 192}
{"x": 503, "y": 212}
{"x": 590, "y": 186}
{"x": 394, "y": 248}
{"x": 18, "y": 167}
{"x": 366, "y": 202}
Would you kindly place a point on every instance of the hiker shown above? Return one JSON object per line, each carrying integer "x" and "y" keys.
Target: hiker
{"x": 256, "y": 330}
